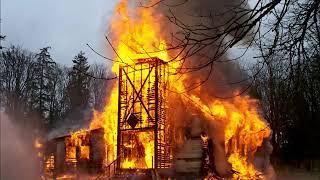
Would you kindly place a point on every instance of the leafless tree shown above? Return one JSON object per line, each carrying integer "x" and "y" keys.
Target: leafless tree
{"x": 98, "y": 86}
{"x": 205, "y": 30}
{"x": 15, "y": 68}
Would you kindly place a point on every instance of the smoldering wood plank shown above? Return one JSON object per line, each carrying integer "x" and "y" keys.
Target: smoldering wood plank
{"x": 190, "y": 149}
{"x": 187, "y": 166}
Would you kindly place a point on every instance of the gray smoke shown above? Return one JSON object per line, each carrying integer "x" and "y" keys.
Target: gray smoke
{"x": 219, "y": 77}
{"x": 18, "y": 156}
{"x": 216, "y": 80}
{"x": 213, "y": 16}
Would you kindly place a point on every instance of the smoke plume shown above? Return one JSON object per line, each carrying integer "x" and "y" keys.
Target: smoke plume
{"x": 206, "y": 74}
{"x": 18, "y": 156}
{"x": 208, "y": 81}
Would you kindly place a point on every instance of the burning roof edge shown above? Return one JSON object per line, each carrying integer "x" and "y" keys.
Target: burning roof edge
{"x": 78, "y": 119}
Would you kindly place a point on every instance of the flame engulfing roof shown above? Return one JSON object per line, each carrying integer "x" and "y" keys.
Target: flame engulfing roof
{"x": 78, "y": 119}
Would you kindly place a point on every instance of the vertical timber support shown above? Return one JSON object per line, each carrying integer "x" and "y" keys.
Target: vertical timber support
{"x": 156, "y": 115}
{"x": 142, "y": 115}
{"x": 119, "y": 119}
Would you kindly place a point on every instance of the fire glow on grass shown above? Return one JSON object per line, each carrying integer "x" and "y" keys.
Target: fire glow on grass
{"x": 137, "y": 34}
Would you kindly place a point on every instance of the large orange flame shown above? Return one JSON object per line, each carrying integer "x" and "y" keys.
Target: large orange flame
{"x": 79, "y": 140}
{"x": 137, "y": 34}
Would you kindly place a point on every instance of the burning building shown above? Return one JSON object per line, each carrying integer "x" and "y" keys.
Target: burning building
{"x": 144, "y": 140}
{"x": 152, "y": 126}
{"x": 72, "y": 149}
{"x": 144, "y": 133}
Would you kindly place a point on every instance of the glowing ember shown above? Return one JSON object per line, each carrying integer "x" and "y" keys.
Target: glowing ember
{"x": 39, "y": 147}
{"x": 49, "y": 164}
{"x": 37, "y": 144}
{"x": 66, "y": 177}
{"x": 70, "y": 154}
{"x": 84, "y": 152}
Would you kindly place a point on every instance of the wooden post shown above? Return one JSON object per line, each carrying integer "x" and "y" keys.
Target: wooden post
{"x": 156, "y": 115}
{"x": 119, "y": 118}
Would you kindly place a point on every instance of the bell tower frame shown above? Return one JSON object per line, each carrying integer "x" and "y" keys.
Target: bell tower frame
{"x": 143, "y": 136}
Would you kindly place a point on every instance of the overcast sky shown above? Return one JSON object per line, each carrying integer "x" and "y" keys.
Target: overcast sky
{"x": 65, "y": 25}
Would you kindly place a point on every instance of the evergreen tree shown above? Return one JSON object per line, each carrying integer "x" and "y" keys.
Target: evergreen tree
{"x": 43, "y": 85}
{"x": 79, "y": 82}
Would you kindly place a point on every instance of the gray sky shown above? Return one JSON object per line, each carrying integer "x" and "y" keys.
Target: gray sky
{"x": 65, "y": 25}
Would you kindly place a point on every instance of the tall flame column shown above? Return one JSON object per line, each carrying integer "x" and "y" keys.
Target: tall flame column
{"x": 143, "y": 128}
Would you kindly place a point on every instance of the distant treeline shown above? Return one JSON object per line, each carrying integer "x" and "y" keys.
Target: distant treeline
{"x": 38, "y": 92}
{"x": 290, "y": 96}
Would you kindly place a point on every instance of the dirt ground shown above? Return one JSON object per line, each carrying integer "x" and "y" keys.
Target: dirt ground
{"x": 296, "y": 174}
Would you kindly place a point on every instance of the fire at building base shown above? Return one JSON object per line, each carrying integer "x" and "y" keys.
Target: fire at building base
{"x": 145, "y": 145}
{"x": 152, "y": 127}
{"x": 81, "y": 156}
